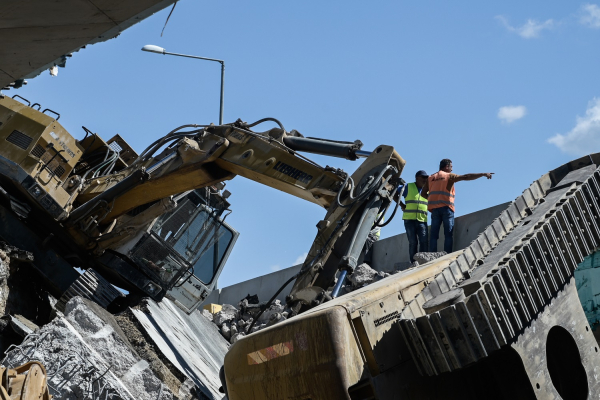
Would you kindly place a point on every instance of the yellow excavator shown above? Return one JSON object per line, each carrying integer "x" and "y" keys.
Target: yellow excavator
{"x": 500, "y": 319}
{"x": 152, "y": 223}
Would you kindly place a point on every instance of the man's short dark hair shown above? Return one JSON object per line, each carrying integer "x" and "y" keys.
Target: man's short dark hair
{"x": 444, "y": 163}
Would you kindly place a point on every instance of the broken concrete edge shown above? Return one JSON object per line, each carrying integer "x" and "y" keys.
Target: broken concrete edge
{"x": 82, "y": 311}
{"x": 34, "y": 339}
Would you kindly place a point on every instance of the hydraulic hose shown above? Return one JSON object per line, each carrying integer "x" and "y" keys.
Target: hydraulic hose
{"x": 272, "y": 299}
{"x": 260, "y": 121}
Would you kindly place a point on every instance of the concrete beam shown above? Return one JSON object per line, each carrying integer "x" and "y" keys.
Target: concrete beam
{"x": 386, "y": 253}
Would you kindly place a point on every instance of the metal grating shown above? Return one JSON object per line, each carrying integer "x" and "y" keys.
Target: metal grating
{"x": 90, "y": 285}
{"x": 19, "y": 139}
{"x": 59, "y": 171}
{"x": 38, "y": 151}
{"x": 387, "y": 318}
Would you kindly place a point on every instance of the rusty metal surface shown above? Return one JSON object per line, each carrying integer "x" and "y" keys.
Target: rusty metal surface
{"x": 311, "y": 357}
{"x": 350, "y": 338}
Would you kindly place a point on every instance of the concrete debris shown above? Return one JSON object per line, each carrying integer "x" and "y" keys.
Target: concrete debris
{"x": 226, "y": 331}
{"x": 423, "y": 258}
{"x": 227, "y": 313}
{"x": 208, "y": 315}
{"x": 87, "y": 356}
{"x": 146, "y": 349}
{"x": 234, "y": 324}
{"x": 364, "y": 275}
{"x": 237, "y": 336}
{"x": 275, "y": 308}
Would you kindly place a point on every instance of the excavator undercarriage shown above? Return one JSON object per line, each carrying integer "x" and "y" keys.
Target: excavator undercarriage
{"x": 501, "y": 319}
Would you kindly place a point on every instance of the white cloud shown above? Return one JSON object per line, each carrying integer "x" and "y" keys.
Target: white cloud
{"x": 510, "y": 114}
{"x": 591, "y": 16}
{"x": 275, "y": 268}
{"x": 584, "y": 138}
{"x": 300, "y": 259}
{"x": 531, "y": 29}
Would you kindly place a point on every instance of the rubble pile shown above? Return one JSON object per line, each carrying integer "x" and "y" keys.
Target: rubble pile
{"x": 234, "y": 323}
{"x": 364, "y": 275}
{"x": 87, "y": 355}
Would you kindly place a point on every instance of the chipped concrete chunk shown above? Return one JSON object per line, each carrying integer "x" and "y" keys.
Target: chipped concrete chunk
{"x": 227, "y": 313}
{"x": 423, "y": 258}
{"x": 364, "y": 275}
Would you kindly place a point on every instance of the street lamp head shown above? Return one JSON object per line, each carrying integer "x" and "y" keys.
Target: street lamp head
{"x": 153, "y": 49}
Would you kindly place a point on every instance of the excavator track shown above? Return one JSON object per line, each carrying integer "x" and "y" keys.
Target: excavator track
{"x": 511, "y": 273}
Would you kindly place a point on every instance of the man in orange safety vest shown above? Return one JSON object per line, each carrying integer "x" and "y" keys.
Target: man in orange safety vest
{"x": 440, "y": 192}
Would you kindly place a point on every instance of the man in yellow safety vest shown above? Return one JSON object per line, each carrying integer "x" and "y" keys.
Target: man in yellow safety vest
{"x": 415, "y": 214}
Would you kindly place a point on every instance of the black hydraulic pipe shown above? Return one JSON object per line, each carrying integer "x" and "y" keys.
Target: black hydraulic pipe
{"x": 323, "y": 147}
{"x": 125, "y": 185}
{"x": 367, "y": 219}
{"x": 338, "y": 285}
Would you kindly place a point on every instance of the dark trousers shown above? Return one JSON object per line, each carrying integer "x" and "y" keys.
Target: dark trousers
{"x": 416, "y": 232}
{"x": 439, "y": 216}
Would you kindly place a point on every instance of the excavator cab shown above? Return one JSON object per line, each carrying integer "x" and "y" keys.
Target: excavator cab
{"x": 180, "y": 254}
{"x": 186, "y": 249}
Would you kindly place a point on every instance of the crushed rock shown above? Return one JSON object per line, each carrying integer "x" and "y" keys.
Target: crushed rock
{"x": 423, "y": 258}
{"x": 365, "y": 275}
{"x": 234, "y": 324}
{"x": 159, "y": 364}
{"x": 227, "y": 313}
{"x": 275, "y": 308}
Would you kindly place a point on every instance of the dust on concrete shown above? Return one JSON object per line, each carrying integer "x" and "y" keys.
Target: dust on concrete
{"x": 159, "y": 364}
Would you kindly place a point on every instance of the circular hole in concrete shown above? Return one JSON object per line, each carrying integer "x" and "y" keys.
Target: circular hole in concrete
{"x": 537, "y": 385}
{"x": 587, "y": 329}
{"x": 564, "y": 365}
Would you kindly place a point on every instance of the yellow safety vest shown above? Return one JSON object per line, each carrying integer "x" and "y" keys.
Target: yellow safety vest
{"x": 377, "y": 230}
{"x": 416, "y": 205}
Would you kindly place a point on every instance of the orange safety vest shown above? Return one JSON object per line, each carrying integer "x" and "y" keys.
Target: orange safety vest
{"x": 439, "y": 196}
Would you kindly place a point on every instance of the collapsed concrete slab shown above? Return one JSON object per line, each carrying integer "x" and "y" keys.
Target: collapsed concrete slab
{"x": 87, "y": 356}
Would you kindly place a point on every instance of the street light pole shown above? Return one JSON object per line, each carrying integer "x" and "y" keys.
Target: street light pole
{"x": 159, "y": 50}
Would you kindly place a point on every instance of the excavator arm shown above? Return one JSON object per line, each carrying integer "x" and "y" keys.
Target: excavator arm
{"x": 211, "y": 154}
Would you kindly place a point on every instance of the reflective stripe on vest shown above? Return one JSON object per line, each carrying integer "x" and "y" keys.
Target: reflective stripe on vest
{"x": 439, "y": 196}
{"x": 416, "y": 205}
{"x": 377, "y": 230}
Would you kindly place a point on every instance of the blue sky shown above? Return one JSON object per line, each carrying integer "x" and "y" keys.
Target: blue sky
{"x": 509, "y": 88}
